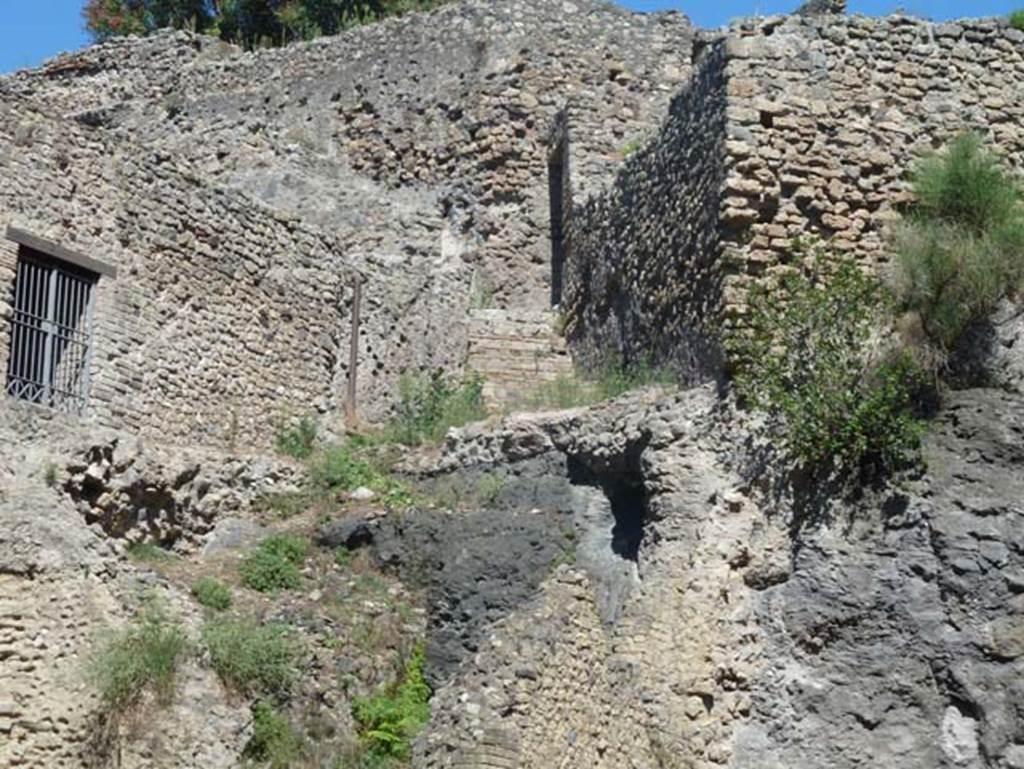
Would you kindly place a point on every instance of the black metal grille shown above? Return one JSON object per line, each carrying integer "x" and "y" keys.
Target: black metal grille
{"x": 51, "y": 333}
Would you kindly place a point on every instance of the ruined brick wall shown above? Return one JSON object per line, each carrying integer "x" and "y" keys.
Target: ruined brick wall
{"x": 798, "y": 127}
{"x": 644, "y": 271}
{"x": 826, "y": 117}
{"x": 226, "y": 316}
{"x": 381, "y": 127}
{"x": 238, "y": 190}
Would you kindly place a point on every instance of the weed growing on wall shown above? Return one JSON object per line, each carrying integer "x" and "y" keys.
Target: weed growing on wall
{"x": 1017, "y": 19}
{"x": 296, "y": 440}
{"x": 389, "y": 720}
{"x": 274, "y": 564}
{"x": 430, "y": 405}
{"x": 250, "y": 658}
{"x": 143, "y": 657}
{"x": 961, "y": 249}
{"x": 842, "y": 403}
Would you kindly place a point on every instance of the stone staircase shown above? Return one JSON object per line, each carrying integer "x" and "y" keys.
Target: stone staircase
{"x": 514, "y": 351}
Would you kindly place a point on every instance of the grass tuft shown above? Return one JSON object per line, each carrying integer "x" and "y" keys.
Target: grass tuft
{"x": 275, "y": 742}
{"x": 250, "y": 658}
{"x": 1016, "y": 19}
{"x": 147, "y": 552}
{"x": 274, "y": 564}
{"x": 607, "y": 381}
{"x": 145, "y": 656}
{"x": 212, "y": 593}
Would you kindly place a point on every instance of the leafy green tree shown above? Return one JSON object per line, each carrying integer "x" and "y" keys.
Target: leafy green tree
{"x": 112, "y": 18}
{"x": 250, "y": 23}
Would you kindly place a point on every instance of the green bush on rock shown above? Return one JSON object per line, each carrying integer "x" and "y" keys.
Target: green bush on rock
{"x": 961, "y": 249}
{"x": 212, "y": 593}
{"x": 274, "y": 564}
{"x": 252, "y": 658}
{"x": 811, "y": 361}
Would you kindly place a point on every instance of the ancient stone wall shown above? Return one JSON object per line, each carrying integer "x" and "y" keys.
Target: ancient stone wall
{"x": 644, "y": 275}
{"x": 237, "y": 191}
{"x": 802, "y": 127}
{"x": 827, "y": 116}
{"x": 225, "y": 316}
{"x": 396, "y": 123}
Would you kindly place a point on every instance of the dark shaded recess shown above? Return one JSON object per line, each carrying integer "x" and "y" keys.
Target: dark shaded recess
{"x": 624, "y": 489}
{"x": 473, "y": 567}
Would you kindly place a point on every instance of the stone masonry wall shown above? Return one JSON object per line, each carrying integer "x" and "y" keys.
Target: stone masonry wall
{"x": 224, "y": 317}
{"x": 397, "y": 123}
{"x": 827, "y": 115}
{"x": 237, "y": 191}
{"x": 644, "y": 277}
{"x": 792, "y": 128}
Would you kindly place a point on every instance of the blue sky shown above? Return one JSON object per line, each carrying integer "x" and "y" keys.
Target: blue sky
{"x": 33, "y": 30}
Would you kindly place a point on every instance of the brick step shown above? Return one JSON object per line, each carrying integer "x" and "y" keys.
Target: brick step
{"x": 514, "y": 351}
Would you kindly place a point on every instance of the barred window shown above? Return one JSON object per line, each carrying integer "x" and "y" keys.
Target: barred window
{"x": 51, "y": 332}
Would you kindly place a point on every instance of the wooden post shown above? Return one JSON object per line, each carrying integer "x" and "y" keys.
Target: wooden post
{"x": 353, "y": 353}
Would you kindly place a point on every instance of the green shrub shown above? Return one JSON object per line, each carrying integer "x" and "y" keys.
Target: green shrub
{"x": 961, "y": 249}
{"x": 296, "y": 440}
{"x": 340, "y": 468}
{"x": 389, "y": 720}
{"x": 343, "y": 556}
{"x": 809, "y": 362}
{"x": 608, "y": 380}
{"x": 212, "y": 593}
{"x": 274, "y": 564}
{"x": 430, "y": 405}
{"x": 275, "y": 742}
{"x": 250, "y": 658}
{"x": 147, "y": 552}
{"x": 144, "y": 656}
{"x": 1017, "y": 19}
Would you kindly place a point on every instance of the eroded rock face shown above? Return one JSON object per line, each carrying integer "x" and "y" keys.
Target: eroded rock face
{"x": 64, "y": 587}
{"x": 882, "y": 633}
{"x": 172, "y": 498}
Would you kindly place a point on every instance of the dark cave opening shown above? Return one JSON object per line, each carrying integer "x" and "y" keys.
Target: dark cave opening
{"x": 629, "y": 508}
{"x": 623, "y": 487}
